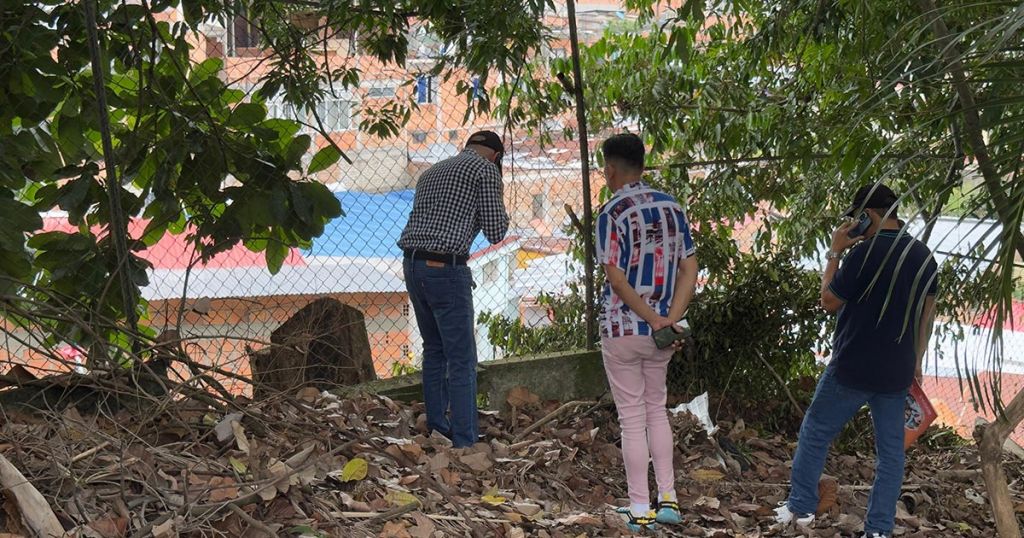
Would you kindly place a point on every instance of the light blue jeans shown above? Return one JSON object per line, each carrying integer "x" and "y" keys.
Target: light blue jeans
{"x": 833, "y": 406}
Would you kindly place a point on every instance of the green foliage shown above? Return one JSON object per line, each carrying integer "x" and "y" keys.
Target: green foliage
{"x": 567, "y": 330}
{"x": 758, "y": 320}
{"x": 788, "y": 107}
{"x": 399, "y": 368}
{"x": 193, "y": 156}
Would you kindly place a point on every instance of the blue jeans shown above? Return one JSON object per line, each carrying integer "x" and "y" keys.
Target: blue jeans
{"x": 442, "y": 298}
{"x": 833, "y": 406}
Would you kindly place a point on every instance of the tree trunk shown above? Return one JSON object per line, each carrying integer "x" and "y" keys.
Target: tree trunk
{"x": 990, "y": 437}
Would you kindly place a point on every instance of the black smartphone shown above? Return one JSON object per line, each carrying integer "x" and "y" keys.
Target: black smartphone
{"x": 665, "y": 336}
{"x": 863, "y": 223}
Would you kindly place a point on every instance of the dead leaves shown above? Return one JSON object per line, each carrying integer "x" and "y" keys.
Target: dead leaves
{"x": 222, "y": 488}
{"x": 478, "y": 462}
{"x": 110, "y": 526}
{"x": 520, "y": 397}
{"x": 558, "y": 482}
{"x": 828, "y": 496}
{"x": 424, "y": 527}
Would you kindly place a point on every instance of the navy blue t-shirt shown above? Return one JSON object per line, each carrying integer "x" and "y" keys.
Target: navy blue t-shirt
{"x": 883, "y": 281}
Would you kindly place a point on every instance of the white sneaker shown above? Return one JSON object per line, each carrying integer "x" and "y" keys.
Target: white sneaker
{"x": 784, "y": 516}
{"x": 875, "y": 535}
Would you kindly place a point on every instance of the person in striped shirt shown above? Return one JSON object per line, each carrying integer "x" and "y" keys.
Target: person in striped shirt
{"x": 644, "y": 244}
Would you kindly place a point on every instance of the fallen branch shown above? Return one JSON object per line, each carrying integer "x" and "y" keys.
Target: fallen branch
{"x": 371, "y": 515}
{"x": 786, "y": 485}
{"x": 550, "y": 417}
{"x": 393, "y": 513}
{"x": 437, "y": 486}
{"x": 960, "y": 475}
{"x": 251, "y": 521}
{"x": 35, "y": 511}
{"x": 90, "y": 452}
{"x": 782, "y": 383}
{"x": 199, "y": 511}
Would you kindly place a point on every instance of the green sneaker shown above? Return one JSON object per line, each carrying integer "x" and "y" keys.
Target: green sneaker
{"x": 668, "y": 513}
{"x": 639, "y": 523}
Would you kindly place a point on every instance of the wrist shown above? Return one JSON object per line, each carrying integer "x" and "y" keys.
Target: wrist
{"x": 834, "y": 254}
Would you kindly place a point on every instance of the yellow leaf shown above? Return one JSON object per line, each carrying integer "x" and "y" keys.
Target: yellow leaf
{"x": 355, "y": 469}
{"x": 400, "y": 498}
{"x": 238, "y": 465}
{"x": 240, "y": 439}
{"x": 493, "y": 500}
{"x": 706, "y": 475}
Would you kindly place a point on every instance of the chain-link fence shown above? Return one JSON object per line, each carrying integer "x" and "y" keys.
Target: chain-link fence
{"x": 225, "y": 309}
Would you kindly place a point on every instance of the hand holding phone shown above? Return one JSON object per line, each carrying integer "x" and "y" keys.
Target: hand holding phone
{"x": 666, "y": 336}
{"x": 862, "y": 225}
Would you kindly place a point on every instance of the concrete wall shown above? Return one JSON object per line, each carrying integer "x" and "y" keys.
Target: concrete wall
{"x": 572, "y": 375}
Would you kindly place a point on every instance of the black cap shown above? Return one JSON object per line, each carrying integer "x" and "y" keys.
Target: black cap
{"x": 487, "y": 139}
{"x": 874, "y": 196}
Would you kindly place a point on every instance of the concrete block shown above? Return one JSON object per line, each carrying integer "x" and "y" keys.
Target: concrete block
{"x": 563, "y": 376}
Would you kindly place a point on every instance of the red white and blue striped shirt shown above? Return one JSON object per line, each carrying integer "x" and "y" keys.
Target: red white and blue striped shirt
{"x": 643, "y": 232}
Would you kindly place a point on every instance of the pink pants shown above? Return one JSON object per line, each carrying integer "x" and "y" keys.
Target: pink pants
{"x": 636, "y": 371}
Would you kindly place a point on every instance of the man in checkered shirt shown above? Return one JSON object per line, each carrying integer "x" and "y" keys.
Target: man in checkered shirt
{"x": 455, "y": 199}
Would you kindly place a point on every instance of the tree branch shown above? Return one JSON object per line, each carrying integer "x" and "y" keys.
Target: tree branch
{"x": 990, "y": 437}
{"x": 972, "y": 120}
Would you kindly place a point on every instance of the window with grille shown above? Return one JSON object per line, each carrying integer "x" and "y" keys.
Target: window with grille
{"x": 242, "y": 34}
{"x": 382, "y": 90}
{"x": 425, "y": 89}
{"x": 336, "y": 114}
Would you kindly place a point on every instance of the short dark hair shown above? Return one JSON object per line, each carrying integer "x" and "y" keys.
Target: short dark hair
{"x": 627, "y": 148}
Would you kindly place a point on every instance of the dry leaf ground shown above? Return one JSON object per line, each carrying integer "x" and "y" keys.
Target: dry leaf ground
{"x": 321, "y": 466}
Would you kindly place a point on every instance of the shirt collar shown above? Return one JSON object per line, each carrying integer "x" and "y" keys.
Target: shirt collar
{"x": 634, "y": 186}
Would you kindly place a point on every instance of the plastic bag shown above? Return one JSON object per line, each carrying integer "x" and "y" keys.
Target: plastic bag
{"x": 918, "y": 415}
{"x": 698, "y": 407}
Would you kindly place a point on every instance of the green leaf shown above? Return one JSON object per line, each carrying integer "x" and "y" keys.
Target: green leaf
{"x": 18, "y": 216}
{"x": 297, "y": 148}
{"x": 73, "y": 197}
{"x": 323, "y": 159}
{"x": 154, "y": 231}
{"x": 14, "y": 263}
{"x": 285, "y": 130}
{"x": 208, "y": 68}
{"x": 61, "y": 241}
{"x": 238, "y": 465}
{"x": 301, "y": 204}
{"x": 247, "y": 114}
{"x": 275, "y": 255}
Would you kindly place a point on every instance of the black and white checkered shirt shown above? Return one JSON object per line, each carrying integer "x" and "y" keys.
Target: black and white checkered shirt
{"x": 455, "y": 199}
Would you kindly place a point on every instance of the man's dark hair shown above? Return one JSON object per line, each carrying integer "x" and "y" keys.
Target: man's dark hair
{"x": 626, "y": 148}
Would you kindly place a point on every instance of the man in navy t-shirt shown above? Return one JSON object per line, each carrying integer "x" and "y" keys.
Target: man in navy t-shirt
{"x": 884, "y": 292}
